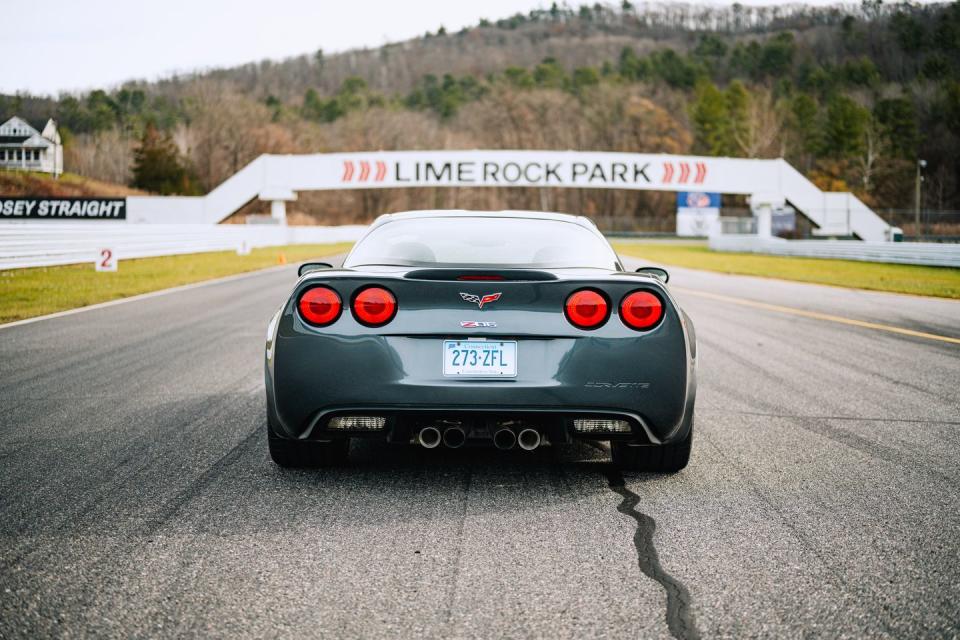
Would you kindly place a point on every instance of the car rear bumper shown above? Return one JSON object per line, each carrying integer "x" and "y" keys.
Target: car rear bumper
{"x": 645, "y": 380}
{"x": 559, "y": 424}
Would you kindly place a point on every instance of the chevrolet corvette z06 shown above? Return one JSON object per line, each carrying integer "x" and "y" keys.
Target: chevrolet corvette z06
{"x": 456, "y": 328}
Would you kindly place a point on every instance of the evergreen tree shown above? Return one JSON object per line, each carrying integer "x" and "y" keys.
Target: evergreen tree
{"x": 674, "y": 69}
{"x": 550, "y": 74}
{"x": 898, "y": 123}
{"x": 738, "y": 104}
{"x": 584, "y": 77}
{"x": 845, "y": 127}
{"x": 157, "y": 166}
{"x": 804, "y": 113}
{"x": 518, "y": 77}
{"x": 709, "y": 115}
{"x": 631, "y": 67}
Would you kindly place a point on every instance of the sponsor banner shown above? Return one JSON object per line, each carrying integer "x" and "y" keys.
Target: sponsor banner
{"x": 697, "y": 213}
{"x": 63, "y": 208}
{"x": 697, "y": 200}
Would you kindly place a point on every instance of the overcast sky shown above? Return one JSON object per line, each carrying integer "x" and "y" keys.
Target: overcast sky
{"x": 62, "y": 45}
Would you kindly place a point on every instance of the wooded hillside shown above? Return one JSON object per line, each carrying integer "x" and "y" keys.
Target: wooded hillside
{"x": 851, "y": 95}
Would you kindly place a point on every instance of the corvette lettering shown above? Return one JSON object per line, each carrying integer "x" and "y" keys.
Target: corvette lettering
{"x": 481, "y": 300}
{"x": 617, "y": 385}
{"x": 474, "y": 324}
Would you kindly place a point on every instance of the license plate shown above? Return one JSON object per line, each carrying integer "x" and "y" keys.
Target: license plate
{"x": 486, "y": 358}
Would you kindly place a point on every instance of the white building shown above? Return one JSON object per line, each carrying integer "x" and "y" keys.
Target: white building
{"x": 23, "y": 147}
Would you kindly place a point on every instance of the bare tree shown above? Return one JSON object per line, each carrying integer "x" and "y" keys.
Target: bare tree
{"x": 759, "y": 133}
{"x": 107, "y": 155}
{"x": 873, "y": 150}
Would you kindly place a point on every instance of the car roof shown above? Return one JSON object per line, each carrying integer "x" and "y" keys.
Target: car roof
{"x": 463, "y": 213}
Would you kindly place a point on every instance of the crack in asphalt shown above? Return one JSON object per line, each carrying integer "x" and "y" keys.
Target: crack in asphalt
{"x": 680, "y": 618}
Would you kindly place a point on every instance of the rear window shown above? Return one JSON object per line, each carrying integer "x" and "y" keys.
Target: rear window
{"x": 483, "y": 241}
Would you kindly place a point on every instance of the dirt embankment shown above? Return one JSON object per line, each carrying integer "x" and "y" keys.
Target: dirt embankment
{"x": 23, "y": 183}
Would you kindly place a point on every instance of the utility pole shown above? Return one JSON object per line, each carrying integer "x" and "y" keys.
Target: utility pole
{"x": 916, "y": 201}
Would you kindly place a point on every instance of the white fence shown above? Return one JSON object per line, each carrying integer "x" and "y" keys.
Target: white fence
{"x": 48, "y": 244}
{"x": 56, "y": 243}
{"x": 922, "y": 253}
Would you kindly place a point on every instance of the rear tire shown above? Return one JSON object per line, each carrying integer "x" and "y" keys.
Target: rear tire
{"x": 664, "y": 458}
{"x": 297, "y": 454}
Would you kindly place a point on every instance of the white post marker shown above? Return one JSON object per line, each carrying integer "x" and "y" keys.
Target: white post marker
{"x": 106, "y": 260}
{"x": 243, "y": 249}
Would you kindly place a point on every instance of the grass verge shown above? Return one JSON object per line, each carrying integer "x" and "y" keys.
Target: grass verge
{"x": 25, "y": 293}
{"x": 942, "y": 282}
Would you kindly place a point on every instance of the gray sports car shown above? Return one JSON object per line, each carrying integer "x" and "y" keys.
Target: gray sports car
{"x": 457, "y": 328}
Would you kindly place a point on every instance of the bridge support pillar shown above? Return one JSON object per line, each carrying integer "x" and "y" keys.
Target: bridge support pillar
{"x": 764, "y": 221}
{"x": 762, "y": 205}
{"x": 278, "y": 211}
{"x": 278, "y": 199}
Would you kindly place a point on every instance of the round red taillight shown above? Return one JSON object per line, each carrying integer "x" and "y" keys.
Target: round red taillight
{"x": 587, "y": 309}
{"x": 374, "y": 306}
{"x": 320, "y": 306}
{"x": 641, "y": 310}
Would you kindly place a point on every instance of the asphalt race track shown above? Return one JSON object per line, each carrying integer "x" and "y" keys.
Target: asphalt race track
{"x": 823, "y": 498}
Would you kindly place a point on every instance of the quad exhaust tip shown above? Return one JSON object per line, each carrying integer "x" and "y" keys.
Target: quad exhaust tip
{"x": 454, "y": 437}
{"x": 529, "y": 439}
{"x": 504, "y": 439}
{"x": 429, "y": 437}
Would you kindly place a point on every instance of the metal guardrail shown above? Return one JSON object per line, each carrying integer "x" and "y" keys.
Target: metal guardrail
{"x": 930, "y": 225}
{"x": 922, "y": 253}
{"x": 53, "y": 243}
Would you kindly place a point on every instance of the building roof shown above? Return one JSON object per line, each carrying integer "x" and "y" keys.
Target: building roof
{"x": 50, "y": 131}
{"x": 17, "y": 127}
{"x": 17, "y": 132}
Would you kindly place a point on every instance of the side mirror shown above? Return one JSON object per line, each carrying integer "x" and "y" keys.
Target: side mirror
{"x": 310, "y": 267}
{"x": 656, "y": 271}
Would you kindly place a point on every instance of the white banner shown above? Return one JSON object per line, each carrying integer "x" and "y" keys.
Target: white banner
{"x": 583, "y": 169}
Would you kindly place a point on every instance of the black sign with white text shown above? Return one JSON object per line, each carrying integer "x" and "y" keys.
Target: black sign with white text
{"x": 63, "y": 208}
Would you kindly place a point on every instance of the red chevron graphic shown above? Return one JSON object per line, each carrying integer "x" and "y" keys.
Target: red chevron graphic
{"x": 381, "y": 171}
{"x": 701, "y": 173}
{"x": 667, "y": 172}
{"x": 364, "y": 171}
{"x": 684, "y": 172}
{"x": 347, "y": 171}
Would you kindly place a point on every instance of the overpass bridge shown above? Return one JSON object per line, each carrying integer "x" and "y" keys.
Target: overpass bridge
{"x": 278, "y": 178}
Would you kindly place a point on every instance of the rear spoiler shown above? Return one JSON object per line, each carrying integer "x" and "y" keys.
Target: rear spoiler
{"x": 479, "y": 275}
